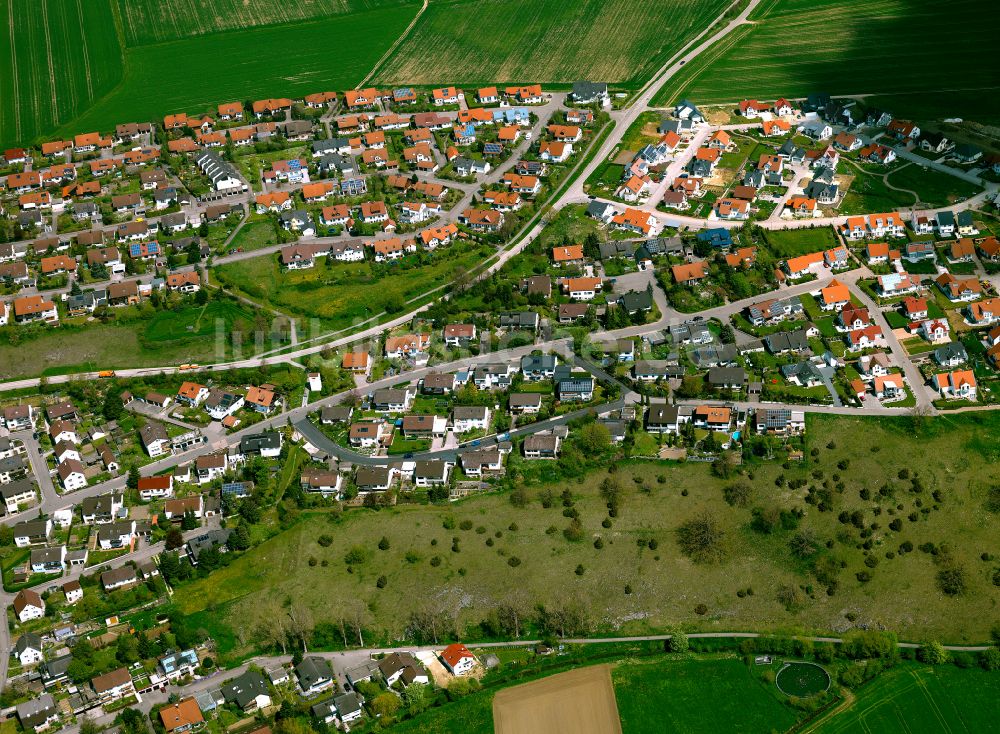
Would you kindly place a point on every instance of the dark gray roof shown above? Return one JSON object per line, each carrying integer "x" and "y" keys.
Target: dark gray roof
{"x": 245, "y": 688}
{"x": 313, "y": 670}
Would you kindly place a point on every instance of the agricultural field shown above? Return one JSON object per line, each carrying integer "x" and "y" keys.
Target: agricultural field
{"x": 153, "y": 21}
{"x": 346, "y": 293}
{"x": 912, "y": 699}
{"x": 471, "y": 42}
{"x": 195, "y": 74}
{"x": 57, "y": 58}
{"x": 877, "y": 49}
{"x": 735, "y": 700}
{"x": 581, "y": 700}
{"x": 814, "y": 588}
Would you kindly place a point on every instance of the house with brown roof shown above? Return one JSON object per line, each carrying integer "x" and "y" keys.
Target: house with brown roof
{"x": 689, "y": 273}
{"x": 113, "y": 686}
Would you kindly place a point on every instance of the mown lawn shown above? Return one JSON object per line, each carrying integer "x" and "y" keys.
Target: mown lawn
{"x": 213, "y": 319}
{"x": 785, "y": 243}
{"x": 934, "y": 188}
{"x": 695, "y": 696}
{"x": 853, "y": 453}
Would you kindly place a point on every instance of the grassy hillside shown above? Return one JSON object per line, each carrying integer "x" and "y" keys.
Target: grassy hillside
{"x": 795, "y": 47}
{"x": 154, "y": 21}
{"x": 57, "y": 57}
{"x": 474, "y": 41}
{"x": 664, "y": 586}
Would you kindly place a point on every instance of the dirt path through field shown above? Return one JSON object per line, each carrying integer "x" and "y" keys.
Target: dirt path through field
{"x": 394, "y": 46}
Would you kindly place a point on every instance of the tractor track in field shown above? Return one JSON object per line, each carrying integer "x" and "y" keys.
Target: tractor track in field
{"x": 85, "y": 52}
{"x": 49, "y": 59}
{"x": 13, "y": 67}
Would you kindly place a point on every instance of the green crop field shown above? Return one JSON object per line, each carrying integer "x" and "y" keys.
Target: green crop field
{"x": 153, "y": 21}
{"x": 57, "y": 57}
{"x": 911, "y": 699}
{"x": 482, "y": 41}
{"x": 666, "y": 585}
{"x": 697, "y": 696}
{"x": 70, "y": 66}
{"x": 197, "y": 73}
{"x": 796, "y": 47}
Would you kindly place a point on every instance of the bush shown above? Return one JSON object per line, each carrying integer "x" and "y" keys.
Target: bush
{"x": 381, "y": 582}
{"x": 933, "y": 653}
{"x": 990, "y": 659}
{"x": 325, "y": 540}
{"x": 513, "y": 561}
{"x": 383, "y": 544}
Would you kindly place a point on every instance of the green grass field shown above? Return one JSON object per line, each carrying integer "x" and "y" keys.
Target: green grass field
{"x": 198, "y": 321}
{"x": 791, "y": 242}
{"x": 912, "y": 699}
{"x": 935, "y": 189}
{"x": 343, "y": 294}
{"x": 481, "y": 41}
{"x": 97, "y": 346}
{"x": 948, "y": 453}
{"x": 57, "y": 58}
{"x": 696, "y": 696}
{"x": 797, "y": 47}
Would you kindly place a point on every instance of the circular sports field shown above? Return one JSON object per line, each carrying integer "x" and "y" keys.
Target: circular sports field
{"x": 802, "y": 679}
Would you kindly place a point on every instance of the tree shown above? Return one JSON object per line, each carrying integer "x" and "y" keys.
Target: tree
{"x": 594, "y": 438}
{"x": 678, "y": 642}
{"x": 417, "y": 697}
{"x": 383, "y": 544}
{"x": 174, "y": 539}
{"x": 240, "y": 538}
{"x": 132, "y": 482}
{"x": 612, "y": 493}
{"x": 189, "y": 521}
{"x": 738, "y": 493}
{"x": 933, "y": 653}
{"x": 112, "y": 410}
{"x": 384, "y": 704}
{"x": 701, "y": 539}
